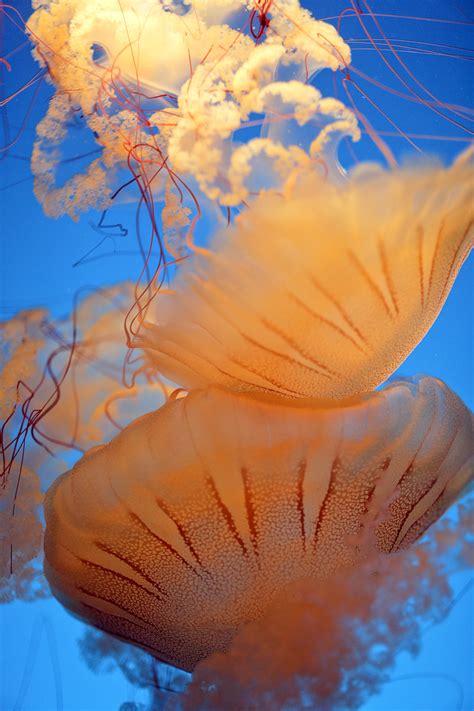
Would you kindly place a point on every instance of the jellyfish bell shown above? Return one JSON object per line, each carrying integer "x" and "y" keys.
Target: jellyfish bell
{"x": 127, "y": 35}
{"x": 185, "y": 527}
{"x": 321, "y": 292}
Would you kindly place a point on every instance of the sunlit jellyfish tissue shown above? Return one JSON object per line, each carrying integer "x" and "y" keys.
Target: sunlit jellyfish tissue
{"x": 216, "y": 455}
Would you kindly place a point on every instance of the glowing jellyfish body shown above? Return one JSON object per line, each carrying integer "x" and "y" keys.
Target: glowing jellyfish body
{"x": 172, "y": 114}
{"x": 187, "y": 525}
{"x": 322, "y": 293}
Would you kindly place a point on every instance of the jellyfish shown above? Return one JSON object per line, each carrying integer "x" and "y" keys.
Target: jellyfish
{"x": 322, "y": 293}
{"x": 269, "y": 478}
{"x": 233, "y": 496}
{"x": 66, "y": 391}
{"x": 174, "y": 121}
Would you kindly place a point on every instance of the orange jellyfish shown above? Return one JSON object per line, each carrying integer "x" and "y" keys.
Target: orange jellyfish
{"x": 322, "y": 292}
{"x": 187, "y": 525}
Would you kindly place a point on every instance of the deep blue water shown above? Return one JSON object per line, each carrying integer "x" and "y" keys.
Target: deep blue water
{"x": 40, "y": 665}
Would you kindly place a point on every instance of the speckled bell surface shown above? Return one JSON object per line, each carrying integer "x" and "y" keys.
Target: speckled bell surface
{"x": 187, "y": 525}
